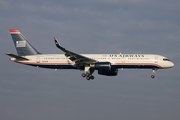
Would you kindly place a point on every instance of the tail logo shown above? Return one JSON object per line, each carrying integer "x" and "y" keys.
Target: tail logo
{"x": 20, "y": 43}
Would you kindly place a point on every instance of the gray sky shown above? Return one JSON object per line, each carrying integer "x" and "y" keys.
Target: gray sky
{"x": 90, "y": 26}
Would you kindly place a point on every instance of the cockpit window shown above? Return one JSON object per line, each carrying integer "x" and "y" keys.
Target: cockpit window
{"x": 165, "y": 59}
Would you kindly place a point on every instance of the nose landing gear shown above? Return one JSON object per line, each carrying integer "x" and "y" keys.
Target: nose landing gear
{"x": 153, "y": 73}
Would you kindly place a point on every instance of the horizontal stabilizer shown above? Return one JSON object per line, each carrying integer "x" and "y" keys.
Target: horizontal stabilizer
{"x": 16, "y": 56}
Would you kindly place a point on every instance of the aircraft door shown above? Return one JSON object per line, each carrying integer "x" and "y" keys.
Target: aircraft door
{"x": 38, "y": 59}
{"x": 156, "y": 60}
{"x": 123, "y": 60}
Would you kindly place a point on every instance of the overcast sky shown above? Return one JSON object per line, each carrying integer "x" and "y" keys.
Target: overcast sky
{"x": 90, "y": 26}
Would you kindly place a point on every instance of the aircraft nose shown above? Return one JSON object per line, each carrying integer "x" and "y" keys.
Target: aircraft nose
{"x": 172, "y": 64}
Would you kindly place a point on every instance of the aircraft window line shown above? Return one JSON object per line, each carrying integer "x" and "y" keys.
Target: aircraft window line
{"x": 165, "y": 59}
{"x": 138, "y": 58}
{"x": 54, "y": 58}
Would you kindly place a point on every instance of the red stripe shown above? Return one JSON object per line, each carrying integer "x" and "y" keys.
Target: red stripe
{"x": 74, "y": 63}
{"x": 136, "y": 64}
{"x": 14, "y": 31}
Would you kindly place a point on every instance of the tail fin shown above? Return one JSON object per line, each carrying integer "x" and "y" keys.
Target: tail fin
{"x": 23, "y": 47}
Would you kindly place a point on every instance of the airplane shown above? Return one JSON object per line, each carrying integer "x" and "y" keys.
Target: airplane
{"x": 105, "y": 64}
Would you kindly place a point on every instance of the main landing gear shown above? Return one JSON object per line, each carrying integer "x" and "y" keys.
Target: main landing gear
{"x": 88, "y": 75}
{"x": 153, "y": 73}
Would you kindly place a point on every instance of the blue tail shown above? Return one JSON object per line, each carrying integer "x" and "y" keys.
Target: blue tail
{"x": 23, "y": 47}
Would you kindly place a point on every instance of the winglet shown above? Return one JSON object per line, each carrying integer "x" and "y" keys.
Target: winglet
{"x": 56, "y": 42}
{"x": 58, "y": 45}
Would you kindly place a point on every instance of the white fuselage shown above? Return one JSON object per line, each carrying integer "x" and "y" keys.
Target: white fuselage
{"x": 59, "y": 61}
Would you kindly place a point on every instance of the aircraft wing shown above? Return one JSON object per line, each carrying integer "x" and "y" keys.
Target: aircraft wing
{"x": 77, "y": 58}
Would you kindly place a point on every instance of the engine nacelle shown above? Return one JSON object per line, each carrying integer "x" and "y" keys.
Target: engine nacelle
{"x": 108, "y": 72}
{"x": 102, "y": 66}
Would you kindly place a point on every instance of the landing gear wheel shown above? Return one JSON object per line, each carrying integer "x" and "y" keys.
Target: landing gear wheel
{"x": 92, "y": 77}
{"x": 88, "y": 78}
{"x": 87, "y": 74}
{"x": 83, "y": 75}
{"x": 152, "y": 76}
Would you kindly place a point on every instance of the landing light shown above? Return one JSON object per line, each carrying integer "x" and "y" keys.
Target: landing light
{"x": 12, "y": 59}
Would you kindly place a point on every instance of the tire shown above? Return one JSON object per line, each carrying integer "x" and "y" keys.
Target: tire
{"x": 83, "y": 75}
{"x": 87, "y": 74}
{"x": 152, "y": 76}
{"x": 88, "y": 78}
{"x": 92, "y": 77}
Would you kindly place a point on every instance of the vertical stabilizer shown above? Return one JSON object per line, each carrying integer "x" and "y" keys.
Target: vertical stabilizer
{"x": 22, "y": 46}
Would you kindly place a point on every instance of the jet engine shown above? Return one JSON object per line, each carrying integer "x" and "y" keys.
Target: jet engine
{"x": 101, "y": 66}
{"x": 104, "y": 68}
{"x": 113, "y": 72}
